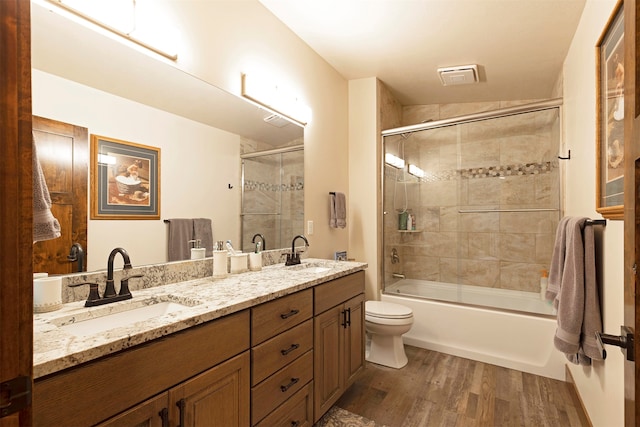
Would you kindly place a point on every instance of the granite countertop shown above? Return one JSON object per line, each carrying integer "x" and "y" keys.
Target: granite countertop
{"x": 56, "y": 348}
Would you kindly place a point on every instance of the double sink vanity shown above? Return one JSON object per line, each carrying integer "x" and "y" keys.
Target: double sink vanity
{"x": 276, "y": 347}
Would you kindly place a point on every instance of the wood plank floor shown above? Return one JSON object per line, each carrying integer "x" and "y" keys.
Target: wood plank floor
{"x": 437, "y": 389}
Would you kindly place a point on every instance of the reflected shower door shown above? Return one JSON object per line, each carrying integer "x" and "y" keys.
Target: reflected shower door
{"x": 272, "y": 198}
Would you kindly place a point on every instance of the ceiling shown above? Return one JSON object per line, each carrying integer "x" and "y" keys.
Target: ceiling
{"x": 518, "y": 45}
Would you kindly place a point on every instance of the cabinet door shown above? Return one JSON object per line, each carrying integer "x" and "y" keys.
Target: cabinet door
{"x": 151, "y": 413}
{"x": 354, "y": 339}
{"x": 328, "y": 351}
{"x": 217, "y": 397}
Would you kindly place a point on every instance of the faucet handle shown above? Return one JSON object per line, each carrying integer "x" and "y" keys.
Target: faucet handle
{"x": 94, "y": 295}
{"x": 124, "y": 284}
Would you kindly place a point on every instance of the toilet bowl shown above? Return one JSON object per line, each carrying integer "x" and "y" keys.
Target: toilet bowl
{"x": 385, "y": 322}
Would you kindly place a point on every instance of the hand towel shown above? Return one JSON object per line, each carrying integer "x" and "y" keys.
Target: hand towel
{"x": 203, "y": 230}
{"x": 577, "y": 296}
{"x": 332, "y": 210}
{"x": 45, "y": 225}
{"x": 180, "y": 232}
{"x": 341, "y": 210}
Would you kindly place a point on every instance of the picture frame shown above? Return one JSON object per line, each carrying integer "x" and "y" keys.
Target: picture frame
{"x": 125, "y": 179}
{"x": 610, "y": 117}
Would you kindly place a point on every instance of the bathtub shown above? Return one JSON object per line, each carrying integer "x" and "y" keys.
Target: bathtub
{"x": 505, "y": 338}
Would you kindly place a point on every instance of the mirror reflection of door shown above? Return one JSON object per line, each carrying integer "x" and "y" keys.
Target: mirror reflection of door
{"x": 63, "y": 154}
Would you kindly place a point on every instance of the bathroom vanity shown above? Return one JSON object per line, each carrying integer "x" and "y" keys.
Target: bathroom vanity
{"x": 259, "y": 348}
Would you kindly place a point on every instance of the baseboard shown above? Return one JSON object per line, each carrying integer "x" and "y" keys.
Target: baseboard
{"x": 577, "y": 399}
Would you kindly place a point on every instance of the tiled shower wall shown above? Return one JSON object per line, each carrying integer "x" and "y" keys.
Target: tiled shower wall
{"x": 273, "y": 184}
{"x": 507, "y": 164}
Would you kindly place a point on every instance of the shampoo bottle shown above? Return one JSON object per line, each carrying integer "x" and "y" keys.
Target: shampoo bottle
{"x": 544, "y": 281}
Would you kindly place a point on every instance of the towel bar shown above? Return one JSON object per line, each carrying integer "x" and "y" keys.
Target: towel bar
{"x": 596, "y": 222}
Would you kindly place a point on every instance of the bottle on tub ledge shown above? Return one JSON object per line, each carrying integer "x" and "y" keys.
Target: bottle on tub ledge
{"x": 544, "y": 281}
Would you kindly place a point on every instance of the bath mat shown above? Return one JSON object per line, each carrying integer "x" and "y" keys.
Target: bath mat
{"x": 338, "y": 417}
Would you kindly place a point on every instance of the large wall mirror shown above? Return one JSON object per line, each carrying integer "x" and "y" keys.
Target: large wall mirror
{"x": 90, "y": 81}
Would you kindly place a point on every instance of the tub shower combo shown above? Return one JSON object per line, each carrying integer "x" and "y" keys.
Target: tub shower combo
{"x": 470, "y": 209}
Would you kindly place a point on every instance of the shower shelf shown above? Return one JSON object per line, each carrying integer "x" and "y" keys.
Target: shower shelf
{"x": 410, "y": 231}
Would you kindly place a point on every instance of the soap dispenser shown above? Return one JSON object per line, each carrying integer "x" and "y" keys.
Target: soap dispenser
{"x": 196, "y": 251}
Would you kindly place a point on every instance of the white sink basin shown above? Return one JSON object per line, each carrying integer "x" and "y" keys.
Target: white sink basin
{"x": 310, "y": 268}
{"x": 104, "y": 319}
{"x": 316, "y": 269}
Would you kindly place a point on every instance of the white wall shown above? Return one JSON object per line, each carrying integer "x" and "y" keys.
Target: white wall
{"x": 197, "y": 162}
{"x": 363, "y": 208}
{"x": 599, "y": 386}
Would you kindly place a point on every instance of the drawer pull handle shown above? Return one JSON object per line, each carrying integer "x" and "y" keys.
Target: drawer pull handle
{"x": 295, "y": 423}
{"x": 182, "y": 406}
{"x": 294, "y": 381}
{"x": 290, "y": 349}
{"x": 164, "y": 416}
{"x": 289, "y": 314}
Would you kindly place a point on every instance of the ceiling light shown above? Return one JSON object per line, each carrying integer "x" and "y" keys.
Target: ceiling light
{"x": 394, "y": 161}
{"x": 461, "y": 75}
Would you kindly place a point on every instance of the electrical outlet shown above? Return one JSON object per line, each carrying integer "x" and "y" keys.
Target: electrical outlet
{"x": 309, "y": 228}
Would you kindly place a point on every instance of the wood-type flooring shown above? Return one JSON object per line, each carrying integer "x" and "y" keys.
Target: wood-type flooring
{"x": 437, "y": 389}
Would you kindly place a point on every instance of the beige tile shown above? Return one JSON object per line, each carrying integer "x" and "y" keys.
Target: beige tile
{"x": 484, "y": 191}
{"x": 517, "y": 191}
{"x": 484, "y": 246}
{"x": 479, "y": 272}
{"x": 517, "y": 247}
{"x": 528, "y": 222}
{"x": 544, "y": 248}
{"x": 520, "y": 276}
{"x": 462, "y": 109}
{"x": 415, "y": 114}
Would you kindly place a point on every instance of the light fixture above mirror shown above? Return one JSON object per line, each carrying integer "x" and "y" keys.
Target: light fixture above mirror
{"x": 275, "y": 98}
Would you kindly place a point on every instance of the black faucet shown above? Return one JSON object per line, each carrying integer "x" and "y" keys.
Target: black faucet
{"x": 264, "y": 244}
{"x": 77, "y": 254}
{"x": 294, "y": 258}
{"x": 110, "y": 291}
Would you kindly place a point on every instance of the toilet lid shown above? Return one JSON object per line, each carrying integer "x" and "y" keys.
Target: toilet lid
{"x": 387, "y": 310}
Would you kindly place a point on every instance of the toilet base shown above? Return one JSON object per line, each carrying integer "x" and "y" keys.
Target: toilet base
{"x": 387, "y": 350}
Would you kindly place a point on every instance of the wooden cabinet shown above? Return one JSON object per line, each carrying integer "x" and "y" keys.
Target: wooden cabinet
{"x": 338, "y": 338}
{"x": 203, "y": 364}
{"x": 282, "y": 361}
{"x": 217, "y": 397}
{"x": 151, "y": 413}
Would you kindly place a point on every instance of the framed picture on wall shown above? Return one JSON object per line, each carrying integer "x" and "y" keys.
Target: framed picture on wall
{"x": 125, "y": 179}
{"x": 610, "y": 117}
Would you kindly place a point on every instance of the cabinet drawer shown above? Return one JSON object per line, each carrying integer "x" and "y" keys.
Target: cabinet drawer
{"x": 338, "y": 291}
{"x": 297, "y": 411}
{"x": 271, "y": 318}
{"x": 280, "y": 350}
{"x": 273, "y": 391}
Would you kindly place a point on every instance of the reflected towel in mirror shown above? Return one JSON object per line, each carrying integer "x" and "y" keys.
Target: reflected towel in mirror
{"x": 45, "y": 225}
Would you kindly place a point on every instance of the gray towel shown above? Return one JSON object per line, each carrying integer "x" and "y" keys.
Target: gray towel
{"x": 557, "y": 262}
{"x": 45, "y": 225}
{"x": 573, "y": 274}
{"x": 338, "y": 210}
{"x": 180, "y": 232}
{"x": 202, "y": 230}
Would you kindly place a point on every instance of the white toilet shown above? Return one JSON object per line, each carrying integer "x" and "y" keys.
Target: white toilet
{"x": 385, "y": 322}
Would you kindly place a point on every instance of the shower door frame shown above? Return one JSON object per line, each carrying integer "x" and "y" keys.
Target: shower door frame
{"x": 460, "y": 120}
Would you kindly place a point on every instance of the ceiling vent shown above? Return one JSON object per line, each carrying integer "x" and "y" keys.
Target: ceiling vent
{"x": 462, "y": 75}
{"x": 276, "y": 120}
